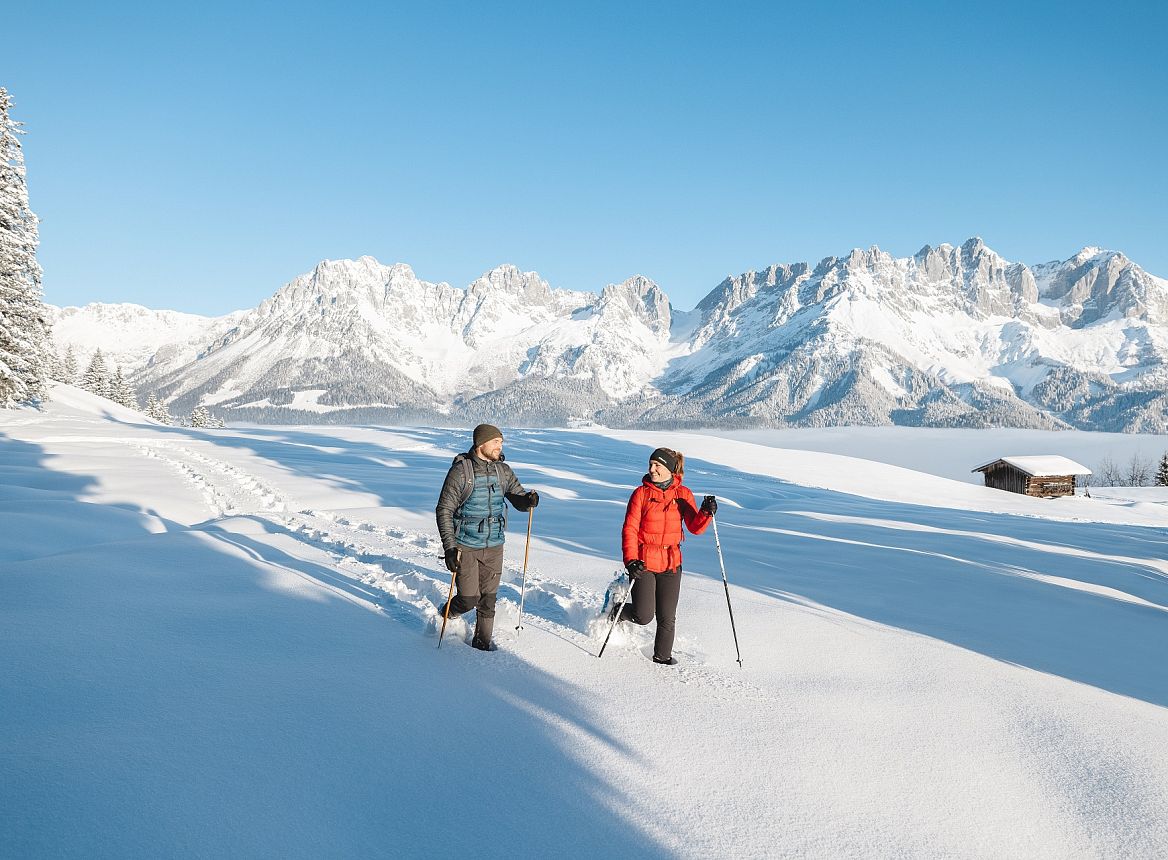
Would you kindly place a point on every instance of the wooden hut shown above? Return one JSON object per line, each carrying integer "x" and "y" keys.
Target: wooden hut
{"x": 1044, "y": 476}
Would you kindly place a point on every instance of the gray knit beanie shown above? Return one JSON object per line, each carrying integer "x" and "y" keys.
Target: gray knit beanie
{"x": 485, "y": 433}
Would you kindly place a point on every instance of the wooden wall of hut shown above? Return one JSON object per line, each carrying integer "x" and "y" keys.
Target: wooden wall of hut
{"x": 1049, "y": 486}
{"x": 1005, "y": 477}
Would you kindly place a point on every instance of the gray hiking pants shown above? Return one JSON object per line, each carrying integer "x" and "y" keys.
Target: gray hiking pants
{"x": 660, "y": 592}
{"x": 478, "y": 577}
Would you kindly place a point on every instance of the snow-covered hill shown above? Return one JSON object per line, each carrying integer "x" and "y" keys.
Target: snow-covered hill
{"x": 220, "y": 643}
{"x": 131, "y": 336}
{"x": 953, "y": 336}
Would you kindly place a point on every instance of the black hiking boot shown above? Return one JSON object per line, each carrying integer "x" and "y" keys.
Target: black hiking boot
{"x": 483, "y": 646}
{"x": 668, "y": 661}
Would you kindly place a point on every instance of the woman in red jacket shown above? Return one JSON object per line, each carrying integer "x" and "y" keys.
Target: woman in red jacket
{"x": 651, "y": 541}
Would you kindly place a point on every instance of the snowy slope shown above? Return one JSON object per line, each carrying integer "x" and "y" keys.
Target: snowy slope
{"x": 216, "y": 643}
{"x": 953, "y": 453}
{"x": 952, "y": 336}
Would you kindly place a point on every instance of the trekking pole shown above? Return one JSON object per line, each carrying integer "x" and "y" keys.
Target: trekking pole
{"x": 523, "y": 590}
{"x": 616, "y": 617}
{"x": 449, "y": 596}
{"x": 726, "y": 585}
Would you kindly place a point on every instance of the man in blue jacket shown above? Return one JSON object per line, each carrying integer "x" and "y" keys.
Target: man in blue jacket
{"x": 472, "y": 521}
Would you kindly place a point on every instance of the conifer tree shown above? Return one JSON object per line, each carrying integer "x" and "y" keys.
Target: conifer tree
{"x": 54, "y": 364}
{"x": 122, "y": 392}
{"x": 69, "y": 367}
{"x": 96, "y": 378}
{"x": 24, "y": 331}
{"x": 157, "y": 410}
{"x": 200, "y": 417}
{"x": 1162, "y": 471}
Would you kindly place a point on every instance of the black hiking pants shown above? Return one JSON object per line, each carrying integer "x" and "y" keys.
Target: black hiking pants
{"x": 478, "y": 577}
{"x": 657, "y": 592}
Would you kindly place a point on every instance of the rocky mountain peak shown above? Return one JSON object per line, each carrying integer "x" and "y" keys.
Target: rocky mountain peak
{"x": 866, "y": 259}
{"x": 952, "y": 336}
{"x": 508, "y": 280}
{"x": 643, "y": 298}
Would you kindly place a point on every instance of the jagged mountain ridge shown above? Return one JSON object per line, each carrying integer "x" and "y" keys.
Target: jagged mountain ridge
{"x": 131, "y": 335}
{"x": 952, "y": 336}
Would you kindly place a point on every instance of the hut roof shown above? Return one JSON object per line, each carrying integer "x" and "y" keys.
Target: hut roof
{"x": 1040, "y": 466}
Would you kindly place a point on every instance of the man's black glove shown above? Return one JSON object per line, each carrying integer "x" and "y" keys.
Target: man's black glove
{"x": 634, "y": 567}
{"x": 453, "y": 558}
{"x": 532, "y": 499}
{"x": 709, "y": 505}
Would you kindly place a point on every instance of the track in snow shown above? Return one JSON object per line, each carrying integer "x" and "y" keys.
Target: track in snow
{"x": 402, "y": 566}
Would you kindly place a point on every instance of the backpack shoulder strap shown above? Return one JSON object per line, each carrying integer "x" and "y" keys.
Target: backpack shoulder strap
{"x": 466, "y": 485}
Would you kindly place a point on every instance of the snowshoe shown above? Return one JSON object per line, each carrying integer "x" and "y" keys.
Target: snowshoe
{"x": 618, "y": 591}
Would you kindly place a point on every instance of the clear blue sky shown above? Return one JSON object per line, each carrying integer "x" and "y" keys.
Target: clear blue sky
{"x": 198, "y": 156}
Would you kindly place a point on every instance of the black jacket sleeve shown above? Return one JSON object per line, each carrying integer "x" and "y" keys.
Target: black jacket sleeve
{"x": 512, "y": 489}
{"x": 449, "y": 501}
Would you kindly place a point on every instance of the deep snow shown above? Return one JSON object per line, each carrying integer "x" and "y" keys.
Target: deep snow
{"x": 220, "y": 643}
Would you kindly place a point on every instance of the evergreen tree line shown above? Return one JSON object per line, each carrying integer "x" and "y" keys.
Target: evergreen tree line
{"x": 98, "y": 380}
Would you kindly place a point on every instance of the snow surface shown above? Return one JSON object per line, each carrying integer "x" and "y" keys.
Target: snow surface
{"x": 220, "y": 643}
{"x": 953, "y": 453}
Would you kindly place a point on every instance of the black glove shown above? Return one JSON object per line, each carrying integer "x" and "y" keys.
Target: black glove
{"x": 634, "y": 567}
{"x": 709, "y": 505}
{"x": 532, "y": 499}
{"x": 453, "y": 558}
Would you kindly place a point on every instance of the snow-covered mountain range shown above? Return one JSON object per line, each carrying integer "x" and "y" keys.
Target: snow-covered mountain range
{"x": 952, "y": 336}
{"x": 130, "y": 336}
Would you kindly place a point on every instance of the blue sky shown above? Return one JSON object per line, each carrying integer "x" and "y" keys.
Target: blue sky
{"x": 198, "y": 157}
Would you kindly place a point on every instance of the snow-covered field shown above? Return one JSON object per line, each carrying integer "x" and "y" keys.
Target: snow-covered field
{"x": 219, "y": 643}
{"x": 955, "y": 453}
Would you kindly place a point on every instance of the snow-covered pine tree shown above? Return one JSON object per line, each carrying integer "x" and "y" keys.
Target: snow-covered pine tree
{"x": 24, "y": 332}
{"x": 1162, "y": 471}
{"x": 54, "y": 363}
{"x": 200, "y": 417}
{"x": 69, "y": 366}
{"x": 157, "y": 410}
{"x": 122, "y": 392}
{"x": 96, "y": 378}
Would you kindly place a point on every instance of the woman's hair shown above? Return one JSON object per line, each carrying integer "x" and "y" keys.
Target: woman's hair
{"x": 680, "y": 461}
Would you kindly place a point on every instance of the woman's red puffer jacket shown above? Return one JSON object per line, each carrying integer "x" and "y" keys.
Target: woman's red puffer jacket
{"x": 652, "y": 530}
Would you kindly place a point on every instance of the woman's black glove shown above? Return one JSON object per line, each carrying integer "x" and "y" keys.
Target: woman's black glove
{"x": 453, "y": 557}
{"x": 709, "y": 505}
{"x": 532, "y": 499}
{"x": 634, "y": 567}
